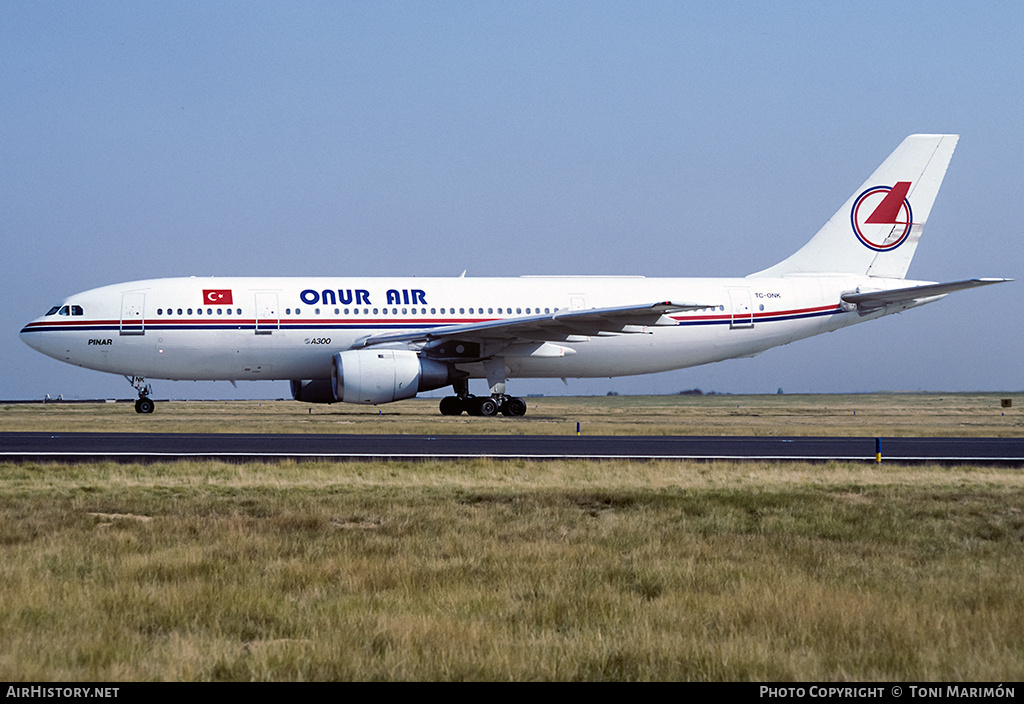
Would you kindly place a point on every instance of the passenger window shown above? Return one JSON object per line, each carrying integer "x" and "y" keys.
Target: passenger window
{"x": 199, "y": 311}
{"x": 190, "y": 311}
{"x": 220, "y": 311}
{"x": 229, "y": 311}
{"x": 179, "y": 311}
{"x": 159, "y": 311}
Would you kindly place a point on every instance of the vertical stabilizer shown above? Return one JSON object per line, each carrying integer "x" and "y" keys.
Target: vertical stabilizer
{"x": 876, "y": 231}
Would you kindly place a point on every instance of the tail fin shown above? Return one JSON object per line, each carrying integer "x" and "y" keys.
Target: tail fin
{"x": 876, "y": 231}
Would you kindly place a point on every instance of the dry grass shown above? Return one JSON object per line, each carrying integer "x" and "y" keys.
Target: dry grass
{"x": 869, "y": 415}
{"x": 517, "y": 570}
{"x": 511, "y": 571}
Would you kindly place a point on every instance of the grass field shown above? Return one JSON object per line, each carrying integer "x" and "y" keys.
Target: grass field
{"x": 485, "y": 570}
{"x": 511, "y": 571}
{"x": 868, "y": 415}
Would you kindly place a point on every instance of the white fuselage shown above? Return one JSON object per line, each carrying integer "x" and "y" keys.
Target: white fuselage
{"x": 289, "y": 328}
{"x": 378, "y": 340}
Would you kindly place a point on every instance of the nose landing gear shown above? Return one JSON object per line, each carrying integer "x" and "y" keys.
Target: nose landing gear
{"x": 145, "y": 403}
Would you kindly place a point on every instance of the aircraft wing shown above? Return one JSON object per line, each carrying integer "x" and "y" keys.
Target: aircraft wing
{"x": 559, "y": 326}
{"x": 873, "y": 300}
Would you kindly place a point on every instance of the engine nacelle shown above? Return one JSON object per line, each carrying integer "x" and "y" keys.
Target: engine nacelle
{"x": 313, "y": 390}
{"x": 381, "y": 375}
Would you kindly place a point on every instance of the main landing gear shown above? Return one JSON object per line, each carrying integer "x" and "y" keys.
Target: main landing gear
{"x": 497, "y": 402}
{"x": 145, "y": 403}
{"x": 512, "y": 406}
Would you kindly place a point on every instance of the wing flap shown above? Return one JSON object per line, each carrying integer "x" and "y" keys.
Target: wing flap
{"x": 552, "y": 327}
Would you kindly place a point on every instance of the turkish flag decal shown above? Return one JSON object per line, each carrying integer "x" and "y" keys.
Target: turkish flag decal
{"x": 216, "y": 296}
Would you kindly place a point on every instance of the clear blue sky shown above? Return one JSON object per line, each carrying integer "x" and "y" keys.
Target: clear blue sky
{"x": 150, "y": 139}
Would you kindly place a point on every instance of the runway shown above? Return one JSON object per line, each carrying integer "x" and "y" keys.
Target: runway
{"x": 161, "y": 447}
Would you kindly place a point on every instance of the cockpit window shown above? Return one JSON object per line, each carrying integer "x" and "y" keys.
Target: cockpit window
{"x": 65, "y": 310}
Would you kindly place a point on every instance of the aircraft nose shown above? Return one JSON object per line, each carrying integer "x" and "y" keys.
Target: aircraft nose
{"x": 32, "y": 337}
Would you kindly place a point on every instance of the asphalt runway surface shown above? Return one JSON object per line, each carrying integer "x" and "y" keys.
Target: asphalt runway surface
{"x": 158, "y": 447}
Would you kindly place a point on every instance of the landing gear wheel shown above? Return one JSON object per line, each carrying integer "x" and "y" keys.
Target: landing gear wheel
{"x": 145, "y": 403}
{"x": 514, "y": 407}
{"x": 486, "y": 406}
{"x": 452, "y": 406}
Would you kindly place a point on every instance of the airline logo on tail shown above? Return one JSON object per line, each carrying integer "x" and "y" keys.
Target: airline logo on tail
{"x": 881, "y": 216}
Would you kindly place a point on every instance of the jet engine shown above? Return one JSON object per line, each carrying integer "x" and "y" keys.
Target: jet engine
{"x": 313, "y": 390}
{"x": 376, "y": 376}
{"x": 382, "y": 375}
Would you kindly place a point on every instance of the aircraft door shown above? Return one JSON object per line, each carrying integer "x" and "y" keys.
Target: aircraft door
{"x": 742, "y": 308}
{"x": 133, "y": 309}
{"x": 268, "y": 316}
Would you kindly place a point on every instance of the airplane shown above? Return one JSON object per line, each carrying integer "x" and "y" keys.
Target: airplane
{"x": 379, "y": 340}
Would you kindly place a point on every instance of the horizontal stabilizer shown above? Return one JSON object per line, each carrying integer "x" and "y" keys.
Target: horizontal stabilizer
{"x": 873, "y": 300}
